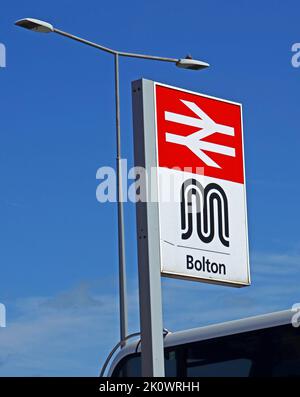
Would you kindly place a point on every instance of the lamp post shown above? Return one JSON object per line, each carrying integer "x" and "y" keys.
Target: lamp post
{"x": 185, "y": 63}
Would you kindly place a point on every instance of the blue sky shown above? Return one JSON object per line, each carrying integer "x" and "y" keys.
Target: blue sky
{"x": 58, "y": 251}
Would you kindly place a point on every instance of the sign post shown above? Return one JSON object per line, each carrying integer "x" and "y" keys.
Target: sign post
{"x": 148, "y": 232}
{"x": 192, "y": 219}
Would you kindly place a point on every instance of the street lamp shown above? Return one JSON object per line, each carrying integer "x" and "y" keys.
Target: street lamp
{"x": 185, "y": 63}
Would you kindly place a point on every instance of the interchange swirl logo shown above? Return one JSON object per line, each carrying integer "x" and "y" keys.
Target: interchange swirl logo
{"x": 204, "y": 199}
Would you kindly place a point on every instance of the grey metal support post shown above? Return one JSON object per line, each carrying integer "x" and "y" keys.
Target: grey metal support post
{"x": 151, "y": 318}
{"x": 121, "y": 245}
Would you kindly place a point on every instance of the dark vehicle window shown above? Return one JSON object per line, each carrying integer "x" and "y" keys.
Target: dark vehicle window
{"x": 268, "y": 352}
{"x": 236, "y": 368}
{"x": 234, "y": 355}
{"x": 285, "y": 352}
{"x": 131, "y": 366}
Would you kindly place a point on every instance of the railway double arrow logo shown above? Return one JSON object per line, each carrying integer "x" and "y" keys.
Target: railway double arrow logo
{"x": 195, "y": 141}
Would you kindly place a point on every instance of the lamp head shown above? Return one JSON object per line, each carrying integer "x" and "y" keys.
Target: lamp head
{"x": 35, "y": 25}
{"x": 192, "y": 64}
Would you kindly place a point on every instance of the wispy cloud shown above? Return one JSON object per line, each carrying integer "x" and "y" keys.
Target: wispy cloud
{"x": 72, "y": 333}
{"x": 65, "y": 335}
{"x": 279, "y": 263}
{"x": 274, "y": 287}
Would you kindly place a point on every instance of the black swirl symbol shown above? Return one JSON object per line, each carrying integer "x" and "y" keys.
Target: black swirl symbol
{"x": 204, "y": 199}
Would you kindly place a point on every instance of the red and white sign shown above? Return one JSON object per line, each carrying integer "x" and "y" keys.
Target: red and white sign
{"x": 205, "y": 132}
{"x": 202, "y": 206}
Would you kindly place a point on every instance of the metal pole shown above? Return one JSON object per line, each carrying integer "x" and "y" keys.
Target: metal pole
{"x": 121, "y": 238}
{"x": 112, "y": 51}
{"x": 151, "y": 316}
{"x": 84, "y": 41}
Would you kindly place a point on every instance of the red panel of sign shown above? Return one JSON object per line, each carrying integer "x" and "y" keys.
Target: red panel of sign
{"x": 200, "y": 132}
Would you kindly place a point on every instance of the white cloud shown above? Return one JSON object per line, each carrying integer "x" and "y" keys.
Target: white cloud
{"x": 64, "y": 335}
{"x": 274, "y": 287}
{"x": 71, "y": 334}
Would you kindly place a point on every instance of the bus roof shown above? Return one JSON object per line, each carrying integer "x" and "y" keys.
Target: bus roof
{"x": 212, "y": 331}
